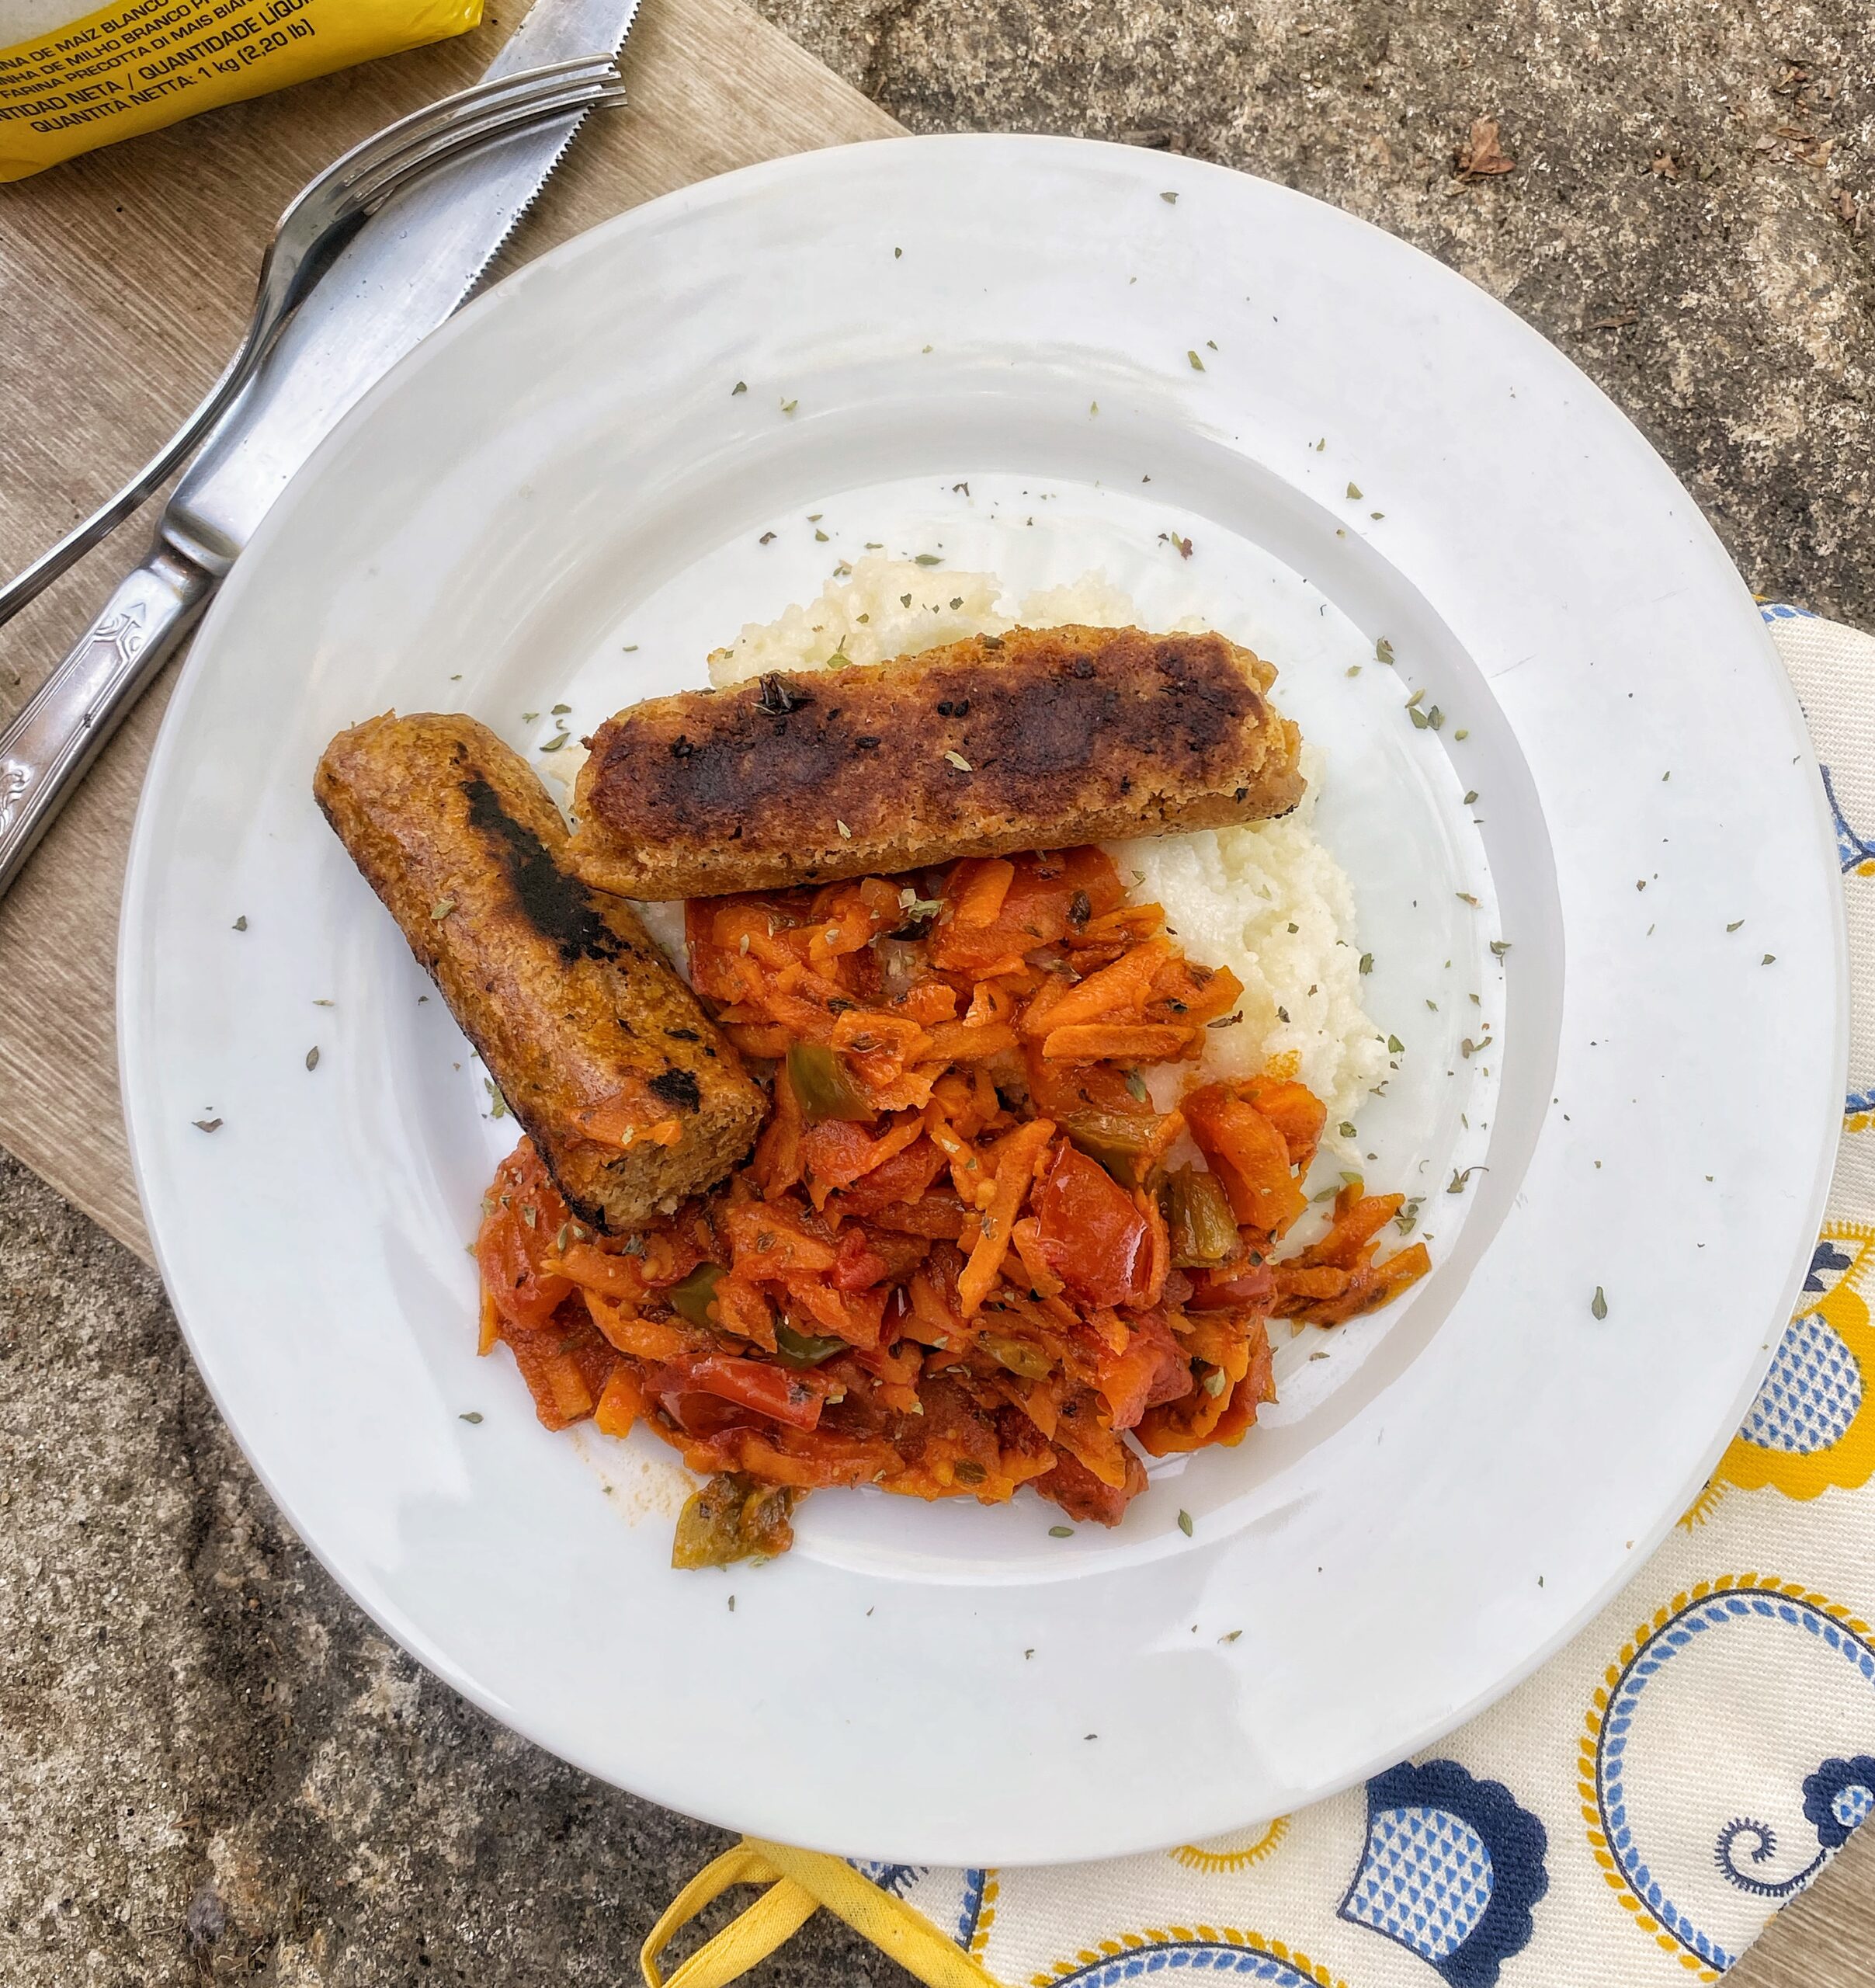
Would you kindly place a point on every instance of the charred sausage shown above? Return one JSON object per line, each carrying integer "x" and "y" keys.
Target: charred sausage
{"x": 1041, "y": 738}
{"x": 629, "y": 1093}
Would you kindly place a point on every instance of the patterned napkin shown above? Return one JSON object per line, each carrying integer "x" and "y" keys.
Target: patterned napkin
{"x": 1632, "y": 1816}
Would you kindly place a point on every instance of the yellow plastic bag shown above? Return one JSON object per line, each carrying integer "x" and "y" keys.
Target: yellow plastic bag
{"x": 70, "y": 85}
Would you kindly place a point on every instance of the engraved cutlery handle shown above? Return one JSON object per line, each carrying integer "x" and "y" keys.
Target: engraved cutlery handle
{"x": 45, "y": 750}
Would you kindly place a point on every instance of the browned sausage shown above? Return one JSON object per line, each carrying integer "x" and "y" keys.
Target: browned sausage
{"x": 628, "y": 1090}
{"x": 1040, "y": 739}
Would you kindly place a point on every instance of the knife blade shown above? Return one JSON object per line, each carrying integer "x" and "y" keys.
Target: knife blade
{"x": 400, "y": 276}
{"x": 413, "y": 264}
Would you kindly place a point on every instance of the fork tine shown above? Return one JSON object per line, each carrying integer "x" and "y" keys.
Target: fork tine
{"x": 524, "y": 87}
{"x": 543, "y": 100}
{"x": 524, "y": 83}
{"x": 363, "y": 177}
{"x": 372, "y": 188}
{"x": 517, "y": 91}
{"x": 492, "y": 89}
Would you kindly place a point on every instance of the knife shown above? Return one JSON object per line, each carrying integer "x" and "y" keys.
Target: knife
{"x": 412, "y": 264}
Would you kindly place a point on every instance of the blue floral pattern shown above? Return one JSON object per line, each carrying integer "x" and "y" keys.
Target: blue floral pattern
{"x": 1838, "y": 1797}
{"x": 1802, "y": 1644}
{"x": 1193, "y": 1956}
{"x": 1450, "y": 1870}
{"x": 1854, "y": 851}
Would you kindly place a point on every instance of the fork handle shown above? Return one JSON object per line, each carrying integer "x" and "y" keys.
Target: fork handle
{"x": 45, "y": 751}
{"x": 280, "y": 291}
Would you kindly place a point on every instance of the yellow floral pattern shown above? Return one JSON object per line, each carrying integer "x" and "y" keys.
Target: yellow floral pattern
{"x": 1198, "y": 1948}
{"x": 1233, "y": 1852}
{"x": 1813, "y": 1425}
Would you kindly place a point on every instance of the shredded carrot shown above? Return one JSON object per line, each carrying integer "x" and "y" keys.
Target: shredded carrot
{"x": 991, "y": 1001}
{"x": 1124, "y": 924}
{"x": 967, "y": 1041}
{"x": 967, "y": 1175}
{"x": 1294, "y": 1110}
{"x": 868, "y": 1033}
{"x": 644, "y": 1338}
{"x": 948, "y": 1268}
{"x": 628, "y": 1119}
{"x": 620, "y": 1403}
{"x": 767, "y": 1039}
{"x": 1202, "y": 998}
{"x": 1160, "y": 1261}
{"x": 1135, "y": 1042}
{"x": 1359, "y": 1218}
{"x": 771, "y": 1242}
{"x": 1026, "y": 1237}
{"x": 1016, "y": 1159}
{"x": 617, "y": 1277}
{"x": 929, "y": 1001}
{"x": 982, "y": 895}
{"x": 1118, "y": 988}
{"x": 1038, "y": 1011}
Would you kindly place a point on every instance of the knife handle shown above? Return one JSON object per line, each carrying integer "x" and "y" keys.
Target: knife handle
{"x": 46, "y": 749}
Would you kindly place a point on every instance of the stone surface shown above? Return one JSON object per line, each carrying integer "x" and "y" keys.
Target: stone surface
{"x": 1691, "y": 216}
{"x": 211, "y": 1767}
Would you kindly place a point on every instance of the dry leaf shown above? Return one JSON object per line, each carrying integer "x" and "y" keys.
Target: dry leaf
{"x": 1848, "y": 211}
{"x": 1157, "y": 138}
{"x": 1666, "y": 165}
{"x": 1481, "y": 153}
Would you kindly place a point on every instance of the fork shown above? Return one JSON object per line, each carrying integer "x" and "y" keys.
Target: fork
{"x": 321, "y": 218}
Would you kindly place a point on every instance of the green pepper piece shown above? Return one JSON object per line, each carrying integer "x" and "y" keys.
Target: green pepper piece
{"x": 823, "y": 1086}
{"x": 1198, "y": 1214}
{"x": 733, "y": 1517}
{"x": 804, "y": 1349}
{"x": 692, "y": 1297}
{"x": 1019, "y": 1355}
{"x": 1116, "y": 1139}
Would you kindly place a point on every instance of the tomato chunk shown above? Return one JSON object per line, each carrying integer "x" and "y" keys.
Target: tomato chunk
{"x": 1081, "y": 1495}
{"x": 1093, "y": 1237}
{"x": 525, "y": 1213}
{"x": 770, "y": 1390}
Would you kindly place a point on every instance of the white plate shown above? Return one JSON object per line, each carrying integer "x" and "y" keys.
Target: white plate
{"x": 566, "y": 470}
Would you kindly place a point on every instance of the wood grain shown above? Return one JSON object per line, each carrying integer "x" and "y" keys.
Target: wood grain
{"x": 125, "y": 277}
{"x": 1822, "y": 1939}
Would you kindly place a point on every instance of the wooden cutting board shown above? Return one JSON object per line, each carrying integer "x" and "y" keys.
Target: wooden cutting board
{"x": 125, "y": 278}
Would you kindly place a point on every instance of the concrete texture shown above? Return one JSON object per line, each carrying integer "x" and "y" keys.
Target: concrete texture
{"x": 211, "y": 1766}
{"x": 1691, "y": 215}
